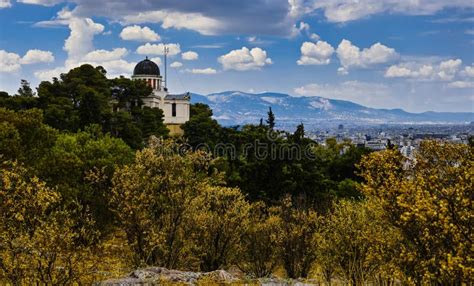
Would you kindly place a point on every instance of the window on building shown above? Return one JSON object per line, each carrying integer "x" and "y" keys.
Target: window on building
{"x": 173, "y": 109}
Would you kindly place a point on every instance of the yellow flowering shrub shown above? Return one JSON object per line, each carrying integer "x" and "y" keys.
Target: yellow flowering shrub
{"x": 430, "y": 200}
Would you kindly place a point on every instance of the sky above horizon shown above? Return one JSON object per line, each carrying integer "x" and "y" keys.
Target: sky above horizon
{"x": 415, "y": 55}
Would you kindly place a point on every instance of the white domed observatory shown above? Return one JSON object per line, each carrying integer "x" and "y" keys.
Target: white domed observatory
{"x": 175, "y": 106}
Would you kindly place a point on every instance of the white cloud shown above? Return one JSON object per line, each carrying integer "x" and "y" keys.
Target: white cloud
{"x": 366, "y": 93}
{"x": 315, "y": 54}
{"x": 444, "y": 70}
{"x": 79, "y": 42}
{"x": 189, "y": 56}
{"x": 159, "y": 49}
{"x": 245, "y": 59}
{"x": 192, "y": 21}
{"x": 398, "y": 71}
{"x": 9, "y": 62}
{"x": 202, "y": 71}
{"x": 461, "y": 84}
{"x": 176, "y": 65}
{"x": 5, "y": 4}
{"x": 41, "y": 2}
{"x": 37, "y": 56}
{"x": 314, "y": 37}
{"x": 12, "y": 62}
{"x": 468, "y": 71}
{"x": 62, "y": 19}
{"x": 140, "y": 34}
{"x": 342, "y": 71}
{"x": 46, "y": 75}
{"x": 304, "y": 28}
{"x": 351, "y": 56}
{"x": 105, "y": 55}
{"x": 156, "y": 60}
{"x": 349, "y": 10}
{"x": 116, "y": 68}
{"x": 449, "y": 68}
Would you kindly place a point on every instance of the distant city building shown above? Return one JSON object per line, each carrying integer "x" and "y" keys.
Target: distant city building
{"x": 175, "y": 106}
{"x": 408, "y": 151}
{"x": 376, "y": 145}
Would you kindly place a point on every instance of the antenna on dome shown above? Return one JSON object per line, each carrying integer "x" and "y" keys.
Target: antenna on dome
{"x": 165, "y": 52}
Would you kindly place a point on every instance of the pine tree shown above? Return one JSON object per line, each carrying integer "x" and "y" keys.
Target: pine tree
{"x": 25, "y": 89}
{"x": 271, "y": 118}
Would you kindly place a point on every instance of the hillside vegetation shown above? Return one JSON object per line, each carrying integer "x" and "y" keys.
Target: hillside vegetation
{"x": 90, "y": 192}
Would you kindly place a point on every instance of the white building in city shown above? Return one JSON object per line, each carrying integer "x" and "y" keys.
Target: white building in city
{"x": 175, "y": 106}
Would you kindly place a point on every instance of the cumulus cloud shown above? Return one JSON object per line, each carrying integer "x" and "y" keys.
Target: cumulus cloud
{"x": 79, "y": 42}
{"x": 159, "y": 49}
{"x": 425, "y": 71}
{"x": 189, "y": 56}
{"x": 176, "y": 65}
{"x": 315, "y": 54}
{"x": 140, "y": 34}
{"x": 9, "y": 62}
{"x": 12, "y": 62}
{"x": 202, "y": 71}
{"x": 37, "y": 56}
{"x": 5, "y": 4}
{"x": 445, "y": 70}
{"x": 468, "y": 71}
{"x": 449, "y": 68}
{"x": 351, "y": 56}
{"x": 245, "y": 59}
{"x": 80, "y": 49}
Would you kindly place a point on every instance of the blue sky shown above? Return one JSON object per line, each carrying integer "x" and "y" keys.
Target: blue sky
{"x": 415, "y": 55}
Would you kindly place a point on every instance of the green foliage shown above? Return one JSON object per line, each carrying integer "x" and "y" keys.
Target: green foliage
{"x": 74, "y": 158}
{"x": 84, "y": 96}
{"x": 23, "y": 136}
{"x": 201, "y": 129}
{"x": 267, "y": 164}
{"x": 25, "y": 89}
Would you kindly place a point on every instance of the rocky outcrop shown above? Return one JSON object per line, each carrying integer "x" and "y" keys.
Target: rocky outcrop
{"x": 158, "y": 275}
{"x": 153, "y": 276}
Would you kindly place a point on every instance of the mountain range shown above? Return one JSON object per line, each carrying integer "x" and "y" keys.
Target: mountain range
{"x": 237, "y": 108}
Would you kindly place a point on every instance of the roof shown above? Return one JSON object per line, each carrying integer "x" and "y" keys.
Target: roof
{"x": 146, "y": 67}
{"x": 183, "y": 96}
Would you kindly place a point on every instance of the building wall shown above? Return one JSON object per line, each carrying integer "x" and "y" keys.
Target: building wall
{"x": 182, "y": 111}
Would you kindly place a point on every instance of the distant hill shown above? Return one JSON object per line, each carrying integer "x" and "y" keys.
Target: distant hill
{"x": 236, "y": 108}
